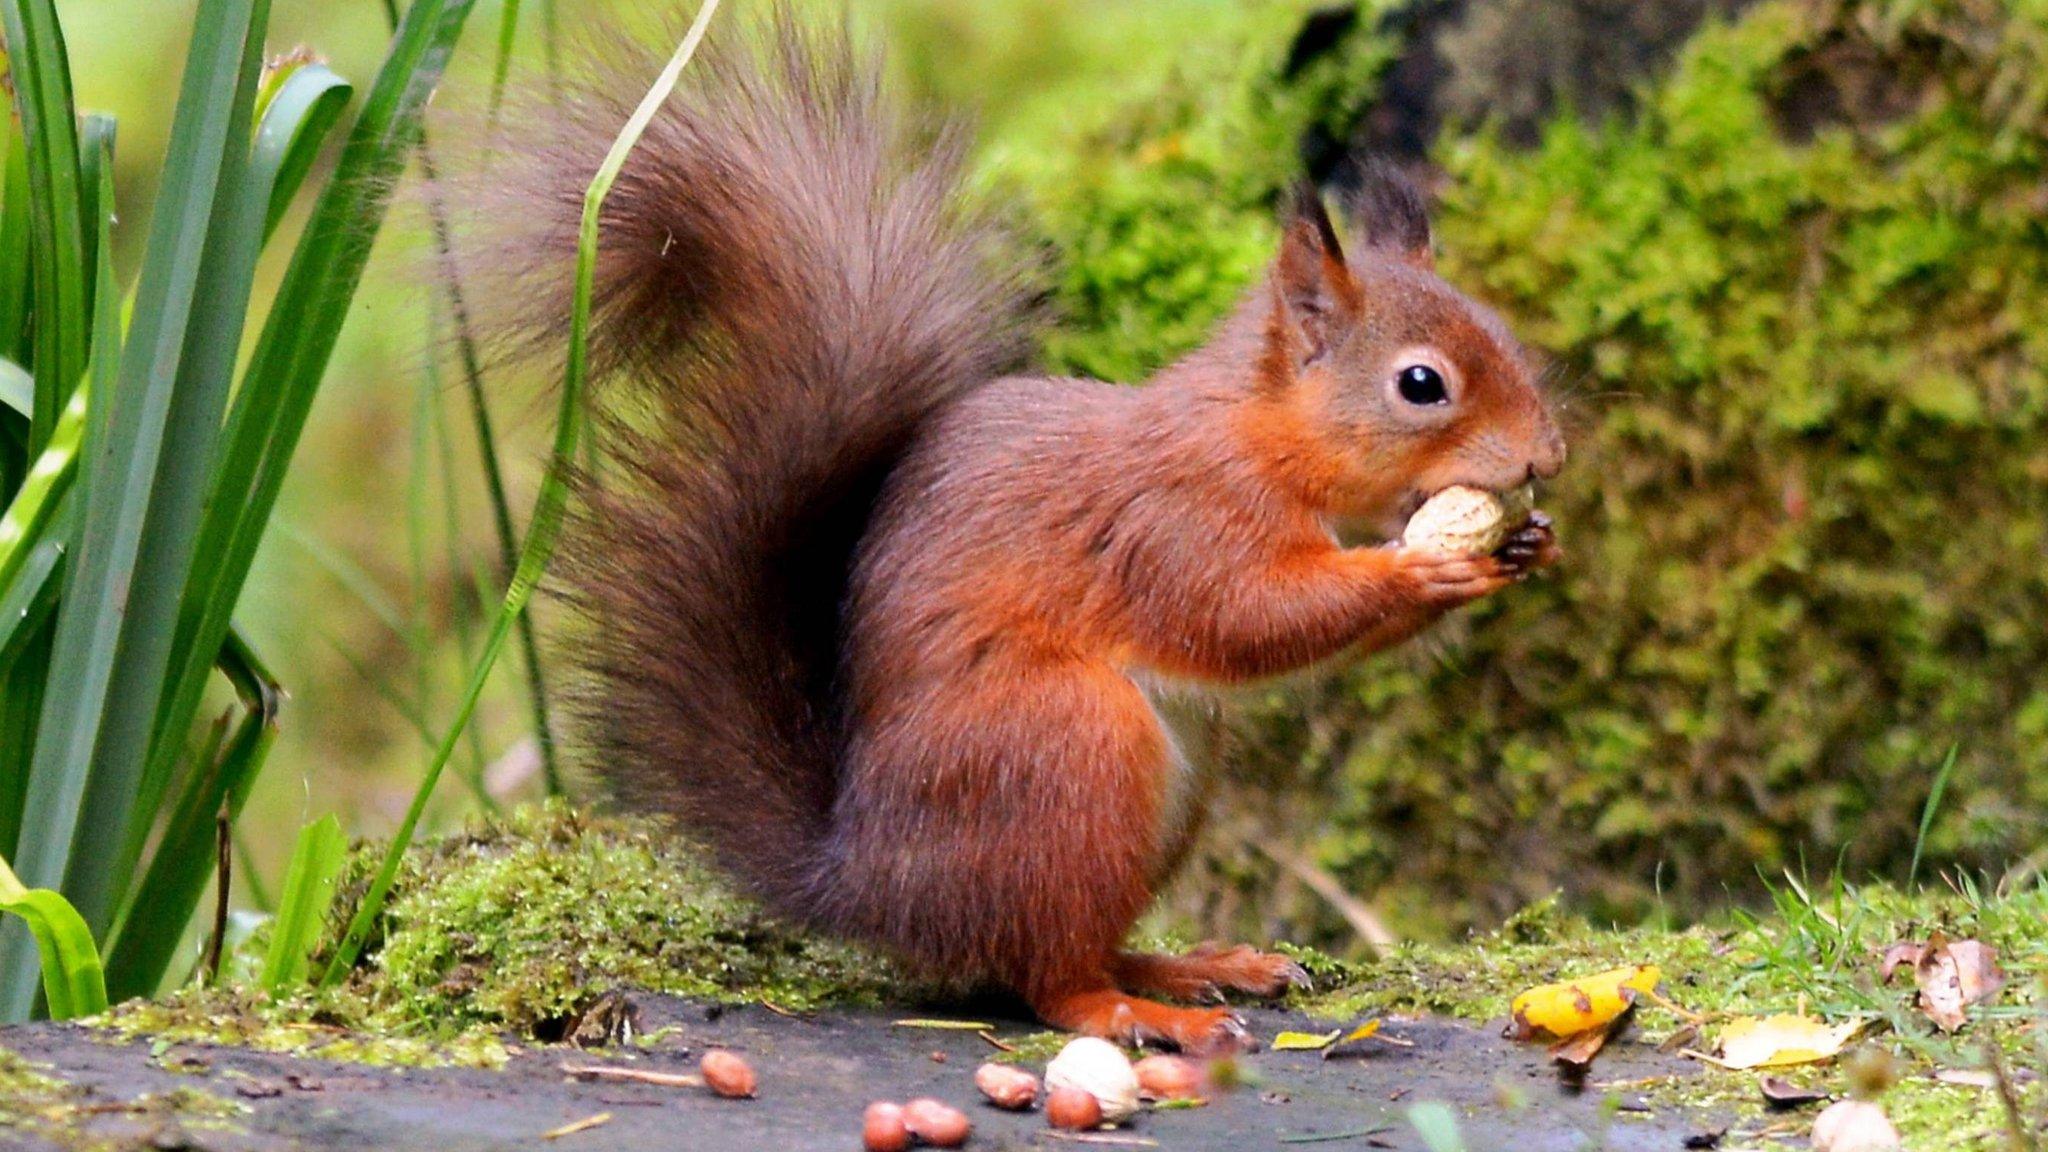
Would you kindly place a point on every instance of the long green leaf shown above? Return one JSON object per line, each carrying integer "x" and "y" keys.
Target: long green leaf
{"x": 144, "y": 496}
{"x": 22, "y": 524}
{"x": 17, "y": 387}
{"x": 296, "y": 119}
{"x": 146, "y": 939}
{"x": 299, "y": 106}
{"x": 72, "y": 983}
{"x": 308, "y": 890}
{"x": 114, "y": 627}
{"x": 548, "y": 506}
{"x": 284, "y": 372}
{"x": 14, "y": 240}
{"x": 41, "y": 74}
{"x": 27, "y": 603}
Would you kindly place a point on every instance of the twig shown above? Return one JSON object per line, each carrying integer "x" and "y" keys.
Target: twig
{"x": 583, "y": 1125}
{"x": 224, "y": 851}
{"x": 779, "y": 1010}
{"x": 1098, "y": 1138}
{"x": 631, "y": 1075}
{"x": 1325, "y": 1137}
{"x": 991, "y": 1037}
{"x": 1363, "y": 920}
{"x": 944, "y": 1025}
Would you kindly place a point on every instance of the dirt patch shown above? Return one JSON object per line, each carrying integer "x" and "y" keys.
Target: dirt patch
{"x": 817, "y": 1073}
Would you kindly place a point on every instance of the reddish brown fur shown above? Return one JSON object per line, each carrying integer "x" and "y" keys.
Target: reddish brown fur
{"x": 874, "y": 626}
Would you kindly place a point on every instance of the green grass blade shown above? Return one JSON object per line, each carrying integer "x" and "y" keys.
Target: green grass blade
{"x": 22, "y": 524}
{"x": 14, "y": 240}
{"x": 27, "y": 604}
{"x": 143, "y": 496}
{"x": 508, "y": 36}
{"x": 308, "y": 890}
{"x": 487, "y": 454}
{"x": 1928, "y": 812}
{"x": 95, "y": 155}
{"x": 21, "y": 705}
{"x": 548, "y": 506}
{"x": 41, "y": 73}
{"x": 17, "y": 387}
{"x": 146, "y": 940}
{"x": 284, "y": 372}
{"x": 72, "y": 983}
{"x": 296, "y": 117}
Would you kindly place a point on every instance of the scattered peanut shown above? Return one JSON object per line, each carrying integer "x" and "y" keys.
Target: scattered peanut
{"x": 1073, "y": 1109}
{"x": 938, "y": 1124}
{"x": 883, "y": 1129}
{"x": 1169, "y": 1077}
{"x": 1007, "y": 1087}
{"x": 727, "y": 1074}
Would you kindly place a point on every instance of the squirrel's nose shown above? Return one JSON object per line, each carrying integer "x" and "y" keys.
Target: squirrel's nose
{"x": 1549, "y": 458}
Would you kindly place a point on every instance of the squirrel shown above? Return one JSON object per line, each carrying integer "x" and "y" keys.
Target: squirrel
{"x": 885, "y": 626}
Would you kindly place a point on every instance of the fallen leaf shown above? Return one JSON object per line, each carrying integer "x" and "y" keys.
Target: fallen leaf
{"x": 1967, "y": 1077}
{"x": 1905, "y": 952}
{"x": 1566, "y": 1009}
{"x": 1781, "y": 1093}
{"x": 1952, "y": 975}
{"x": 1854, "y": 1126}
{"x": 1576, "y": 1053}
{"x": 1305, "y": 1041}
{"x": 1778, "y": 1041}
{"x": 1364, "y": 1040}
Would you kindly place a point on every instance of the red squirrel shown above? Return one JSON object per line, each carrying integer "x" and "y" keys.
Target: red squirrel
{"x": 882, "y": 626}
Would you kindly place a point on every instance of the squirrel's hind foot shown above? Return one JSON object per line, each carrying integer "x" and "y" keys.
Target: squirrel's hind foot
{"x": 1126, "y": 1019}
{"x": 1207, "y": 971}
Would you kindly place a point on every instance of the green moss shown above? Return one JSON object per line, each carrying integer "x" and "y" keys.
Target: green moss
{"x": 1794, "y": 303}
{"x": 34, "y": 1100}
{"x": 523, "y": 921}
{"x": 512, "y": 929}
{"x": 1158, "y": 195}
{"x": 29, "y": 1095}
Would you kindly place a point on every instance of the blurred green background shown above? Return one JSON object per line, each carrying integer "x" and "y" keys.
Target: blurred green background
{"x": 1789, "y": 262}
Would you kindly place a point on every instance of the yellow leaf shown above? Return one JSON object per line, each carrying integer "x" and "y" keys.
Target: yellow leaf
{"x": 1574, "y": 1006}
{"x": 1369, "y": 1028}
{"x": 1304, "y": 1041}
{"x": 1776, "y": 1041}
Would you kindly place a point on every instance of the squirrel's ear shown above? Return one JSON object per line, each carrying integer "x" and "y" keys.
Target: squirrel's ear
{"x": 1312, "y": 286}
{"x": 1382, "y": 205}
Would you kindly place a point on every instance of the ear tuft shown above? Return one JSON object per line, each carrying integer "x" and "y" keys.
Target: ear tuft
{"x": 1386, "y": 208}
{"x": 1310, "y": 280}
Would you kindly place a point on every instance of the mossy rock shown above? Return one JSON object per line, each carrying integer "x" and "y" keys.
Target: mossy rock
{"x": 1794, "y": 305}
{"x": 522, "y": 922}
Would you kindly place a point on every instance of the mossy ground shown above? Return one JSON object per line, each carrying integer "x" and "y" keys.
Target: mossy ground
{"x": 1819, "y": 950}
{"x": 522, "y": 923}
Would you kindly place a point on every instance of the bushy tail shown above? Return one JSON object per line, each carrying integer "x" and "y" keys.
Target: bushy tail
{"x": 790, "y": 280}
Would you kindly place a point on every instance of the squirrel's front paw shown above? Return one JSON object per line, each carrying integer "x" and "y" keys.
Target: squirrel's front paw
{"x": 1445, "y": 582}
{"x": 1530, "y": 548}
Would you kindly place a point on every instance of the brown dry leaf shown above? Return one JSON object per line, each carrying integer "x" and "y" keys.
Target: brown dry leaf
{"x": 1576, "y": 1053}
{"x": 1952, "y": 975}
{"x": 1566, "y": 1009}
{"x": 1782, "y": 1093}
{"x": 1779, "y": 1041}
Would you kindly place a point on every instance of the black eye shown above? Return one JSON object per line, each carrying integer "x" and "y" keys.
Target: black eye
{"x": 1421, "y": 384}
